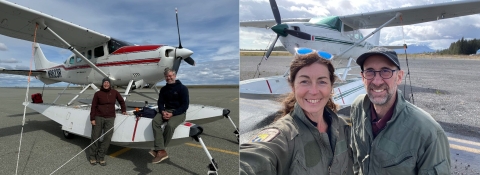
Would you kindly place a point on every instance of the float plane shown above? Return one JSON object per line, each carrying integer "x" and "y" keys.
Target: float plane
{"x": 96, "y": 56}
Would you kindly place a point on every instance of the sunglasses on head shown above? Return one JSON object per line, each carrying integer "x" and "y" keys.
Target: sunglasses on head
{"x": 323, "y": 54}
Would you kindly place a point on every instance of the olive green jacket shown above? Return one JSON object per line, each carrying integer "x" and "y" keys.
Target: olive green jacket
{"x": 412, "y": 142}
{"x": 299, "y": 148}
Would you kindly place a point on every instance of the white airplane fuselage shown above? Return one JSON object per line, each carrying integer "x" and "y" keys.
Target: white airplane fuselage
{"x": 325, "y": 39}
{"x": 144, "y": 64}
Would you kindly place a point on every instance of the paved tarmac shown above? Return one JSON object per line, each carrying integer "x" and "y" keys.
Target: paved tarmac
{"x": 44, "y": 149}
{"x": 445, "y": 88}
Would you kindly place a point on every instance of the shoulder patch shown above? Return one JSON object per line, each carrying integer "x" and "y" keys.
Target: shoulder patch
{"x": 266, "y": 135}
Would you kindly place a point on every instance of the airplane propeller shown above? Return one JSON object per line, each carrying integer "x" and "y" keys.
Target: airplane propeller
{"x": 180, "y": 52}
{"x": 282, "y": 29}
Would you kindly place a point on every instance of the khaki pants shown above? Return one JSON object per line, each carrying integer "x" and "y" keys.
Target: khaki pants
{"x": 162, "y": 138}
{"x": 99, "y": 148}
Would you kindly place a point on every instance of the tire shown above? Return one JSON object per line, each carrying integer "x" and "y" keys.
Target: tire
{"x": 68, "y": 135}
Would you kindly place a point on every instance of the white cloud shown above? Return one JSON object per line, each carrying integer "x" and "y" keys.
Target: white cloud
{"x": 227, "y": 49}
{"x": 9, "y": 60}
{"x": 3, "y": 47}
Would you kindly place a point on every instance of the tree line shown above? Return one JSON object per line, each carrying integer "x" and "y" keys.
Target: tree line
{"x": 462, "y": 47}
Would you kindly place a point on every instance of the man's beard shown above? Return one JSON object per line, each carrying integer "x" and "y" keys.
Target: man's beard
{"x": 379, "y": 100}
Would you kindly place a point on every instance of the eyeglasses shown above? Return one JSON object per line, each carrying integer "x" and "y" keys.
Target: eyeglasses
{"x": 384, "y": 73}
{"x": 304, "y": 51}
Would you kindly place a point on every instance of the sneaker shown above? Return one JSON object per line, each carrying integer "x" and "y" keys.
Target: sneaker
{"x": 161, "y": 155}
{"x": 153, "y": 153}
{"x": 103, "y": 163}
{"x": 93, "y": 162}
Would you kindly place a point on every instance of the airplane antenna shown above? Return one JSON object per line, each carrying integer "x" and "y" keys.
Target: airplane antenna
{"x": 178, "y": 30}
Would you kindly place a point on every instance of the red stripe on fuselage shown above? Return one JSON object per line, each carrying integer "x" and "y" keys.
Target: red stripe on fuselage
{"x": 108, "y": 64}
{"x": 130, "y": 49}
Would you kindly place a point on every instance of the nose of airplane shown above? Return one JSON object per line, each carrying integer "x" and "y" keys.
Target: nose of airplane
{"x": 184, "y": 52}
{"x": 280, "y": 29}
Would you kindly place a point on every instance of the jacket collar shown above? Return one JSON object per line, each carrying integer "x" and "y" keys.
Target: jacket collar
{"x": 298, "y": 112}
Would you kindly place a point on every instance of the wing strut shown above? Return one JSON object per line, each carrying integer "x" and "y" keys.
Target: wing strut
{"x": 366, "y": 37}
{"x": 71, "y": 48}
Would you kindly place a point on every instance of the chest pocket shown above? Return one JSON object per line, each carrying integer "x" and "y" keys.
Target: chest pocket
{"x": 403, "y": 163}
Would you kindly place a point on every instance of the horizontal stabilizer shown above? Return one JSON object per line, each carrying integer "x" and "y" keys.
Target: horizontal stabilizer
{"x": 22, "y": 72}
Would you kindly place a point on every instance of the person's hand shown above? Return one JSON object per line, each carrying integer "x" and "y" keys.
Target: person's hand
{"x": 93, "y": 122}
{"x": 166, "y": 115}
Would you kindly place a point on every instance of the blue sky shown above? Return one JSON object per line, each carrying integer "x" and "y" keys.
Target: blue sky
{"x": 436, "y": 34}
{"x": 208, "y": 28}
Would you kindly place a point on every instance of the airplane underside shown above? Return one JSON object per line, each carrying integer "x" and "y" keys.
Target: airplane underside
{"x": 128, "y": 131}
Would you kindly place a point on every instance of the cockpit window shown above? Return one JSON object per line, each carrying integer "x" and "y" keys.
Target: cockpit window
{"x": 72, "y": 60}
{"x": 115, "y": 44}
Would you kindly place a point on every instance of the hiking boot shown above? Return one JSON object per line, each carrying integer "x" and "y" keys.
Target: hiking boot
{"x": 161, "y": 155}
{"x": 153, "y": 153}
{"x": 103, "y": 163}
{"x": 93, "y": 162}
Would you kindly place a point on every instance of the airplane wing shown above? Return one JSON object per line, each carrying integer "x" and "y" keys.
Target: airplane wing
{"x": 269, "y": 23}
{"x": 412, "y": 15}
{"x": 21, "y": 72}
{"x": 19, "y": 22}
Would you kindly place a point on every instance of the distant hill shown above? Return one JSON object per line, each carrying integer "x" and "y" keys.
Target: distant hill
{"x": 412, "y": 49}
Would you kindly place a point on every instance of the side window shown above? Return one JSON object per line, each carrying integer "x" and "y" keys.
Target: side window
{"x": 72, "y": 60}
{"x": 89, "y": 54}
{"x": 98, "y": 52}
{"x": 296, "y": 28}
{"x": 79, "y": 59}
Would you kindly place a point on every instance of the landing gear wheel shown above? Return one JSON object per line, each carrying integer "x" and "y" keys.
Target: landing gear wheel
{"x": 67, "y": 135}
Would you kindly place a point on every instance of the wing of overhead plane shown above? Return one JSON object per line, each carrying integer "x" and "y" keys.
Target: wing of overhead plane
{"x": 269, "y": 23}
{"x": 21, "y": 72}
{"x": 410, "y": 15}
{"x": 19, "y": 22}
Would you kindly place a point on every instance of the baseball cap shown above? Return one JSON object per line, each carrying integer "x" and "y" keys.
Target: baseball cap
{"x": 389, "y": 53}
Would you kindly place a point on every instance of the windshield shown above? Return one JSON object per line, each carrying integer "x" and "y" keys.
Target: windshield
{"x": 115, "y": 44}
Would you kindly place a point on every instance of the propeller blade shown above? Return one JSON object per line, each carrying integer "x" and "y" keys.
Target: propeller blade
{"x": 275, "y": 11}
{"x": 176, "y": 62}
{"x": 269, "y": 51}
{"x": 298, "y": 34}
{"x": 190, "y": 61}
{"x": 178, "y": 30}
{"x": 176, "y": 65}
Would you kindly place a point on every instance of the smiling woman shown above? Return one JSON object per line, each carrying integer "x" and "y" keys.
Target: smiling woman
{"x": 309, "y": 136}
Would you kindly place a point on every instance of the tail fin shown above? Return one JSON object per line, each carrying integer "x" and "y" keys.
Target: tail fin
{"x": 40, "y": 61}
{"x": 375, "y": 39}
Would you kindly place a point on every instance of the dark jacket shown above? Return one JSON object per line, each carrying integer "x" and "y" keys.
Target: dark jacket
{"x": 103, "y": 103}
{"x": 296, "y": 147}
{"x": 412, "y": 142}
{"x": 174, "y": 97}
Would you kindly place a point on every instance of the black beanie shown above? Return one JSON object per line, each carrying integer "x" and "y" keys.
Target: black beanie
{"x": 106, "y": 79}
